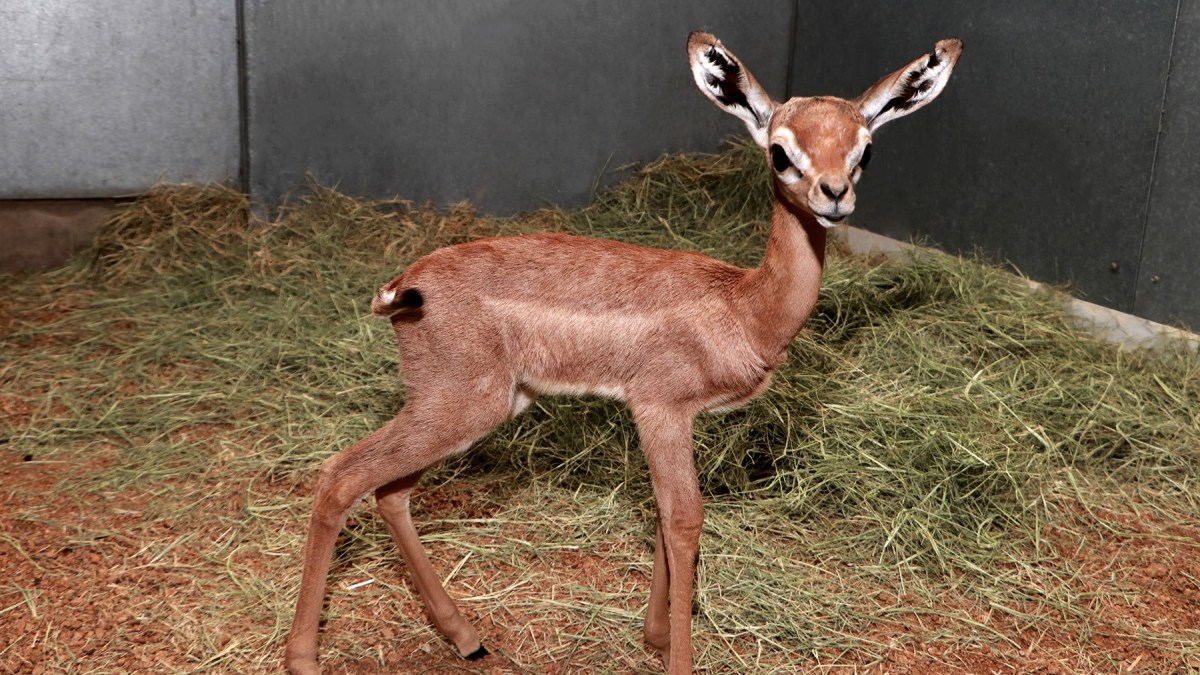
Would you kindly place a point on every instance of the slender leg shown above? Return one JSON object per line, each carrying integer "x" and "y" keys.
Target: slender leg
{"x": 420, "y": 435}
{"x": 658, "y": 630}
{"x": 667, "y": 442}
{"x": 393, "y": 501}
{"x": 336, "y": 491}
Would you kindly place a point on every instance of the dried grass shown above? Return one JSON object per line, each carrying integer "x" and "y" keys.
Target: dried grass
{"x": 933, "y": 421}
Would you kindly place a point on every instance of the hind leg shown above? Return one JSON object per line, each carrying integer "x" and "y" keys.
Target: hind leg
{"x": 427, "y": 430}
{"x": 393, "y": 502}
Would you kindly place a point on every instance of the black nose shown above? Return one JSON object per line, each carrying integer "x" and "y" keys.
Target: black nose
{"x": 834, "y": 195}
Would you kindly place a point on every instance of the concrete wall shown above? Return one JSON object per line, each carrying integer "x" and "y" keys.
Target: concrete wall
{"x": 106, "y": 97}
{"x": 39, "y": 234}
{"x": 509, "y": 103}
{"x": 1168, "y": 283}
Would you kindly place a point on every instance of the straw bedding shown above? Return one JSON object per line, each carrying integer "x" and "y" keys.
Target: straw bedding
{"x": 936, "y": 423}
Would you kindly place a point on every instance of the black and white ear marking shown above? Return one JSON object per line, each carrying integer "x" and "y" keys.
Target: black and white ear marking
{"x": 725, "y": 81}
{"x": 723, "y": 78}
{"x": 910, "y": 88}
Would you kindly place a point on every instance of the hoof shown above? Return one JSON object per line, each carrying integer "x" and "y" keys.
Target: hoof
{"x": 477, "y": 654}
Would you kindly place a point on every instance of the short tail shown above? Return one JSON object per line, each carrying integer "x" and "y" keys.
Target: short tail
{"x": 390, "y": 301}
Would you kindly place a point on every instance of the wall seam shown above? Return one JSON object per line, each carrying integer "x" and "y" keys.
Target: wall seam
{"x": 1162, "y": 111}
{"x": 243, "y": 93}
{"x": 791, "y": 55}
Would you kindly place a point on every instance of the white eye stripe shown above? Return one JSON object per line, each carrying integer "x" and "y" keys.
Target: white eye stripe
{"x": 789, "y": 177}
{"x": 785, "y": 139}
{"x": 855, "y": 157}
{"x": 803, "y": 163}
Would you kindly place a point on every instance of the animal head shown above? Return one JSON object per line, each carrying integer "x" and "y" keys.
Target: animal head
{"x": 817, "y": 146}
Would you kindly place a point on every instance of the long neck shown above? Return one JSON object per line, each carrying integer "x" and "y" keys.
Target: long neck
{"x": 780, "y": 295}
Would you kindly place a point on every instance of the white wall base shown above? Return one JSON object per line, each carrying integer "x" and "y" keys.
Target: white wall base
{"x": 1127, "y": 330}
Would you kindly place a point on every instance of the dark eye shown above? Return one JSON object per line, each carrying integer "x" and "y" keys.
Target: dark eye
{"x": 866, "y": 157}
{"x": 779, "y": 158}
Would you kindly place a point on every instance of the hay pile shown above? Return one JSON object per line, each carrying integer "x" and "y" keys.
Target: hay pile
{"x": 932, "y": 418}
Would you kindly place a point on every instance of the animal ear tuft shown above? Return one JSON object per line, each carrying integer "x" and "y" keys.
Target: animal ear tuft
{"x": 912, "y": 87}
{"x": 726, "y": 82}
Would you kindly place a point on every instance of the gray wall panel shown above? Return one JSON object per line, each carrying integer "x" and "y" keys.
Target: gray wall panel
{"x": 1039, "y": 150}
{"x": 106, "y": 98}
{"x": 1043, "y": 151}
{"x": 510, "y": 104}
{"x": 1169, "y": 280}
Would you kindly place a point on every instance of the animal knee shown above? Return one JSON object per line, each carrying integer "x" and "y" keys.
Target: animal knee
{"x": 333, "y": 496}
{"x": 328, "y": 471}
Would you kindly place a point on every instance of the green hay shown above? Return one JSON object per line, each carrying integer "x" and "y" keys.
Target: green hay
{"x": 932, "y": 418}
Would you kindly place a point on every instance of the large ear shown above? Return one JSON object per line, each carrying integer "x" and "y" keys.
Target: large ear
{"x": 725, "y": 81}
{"x": 910, "y": 88}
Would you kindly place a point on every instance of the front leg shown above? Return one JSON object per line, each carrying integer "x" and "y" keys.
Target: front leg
{"x": 658, "y": 628}
{"x": 667, "y": 443}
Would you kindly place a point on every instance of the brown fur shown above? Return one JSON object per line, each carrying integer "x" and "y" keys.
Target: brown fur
{"x": 655, "y": 324}
{"x": 486, "y": 326}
